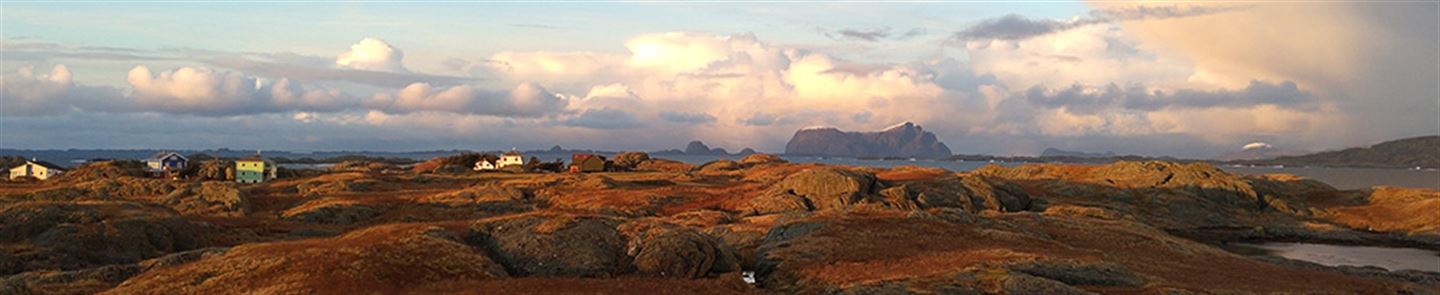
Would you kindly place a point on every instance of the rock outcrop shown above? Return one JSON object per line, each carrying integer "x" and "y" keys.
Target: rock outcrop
{"x": 904, "y": 140}
{"x": 216, "y": 198}
{"x": 382, "y": 259}
{"x": 560, "y": 246}
{"x": 72, "y": 236}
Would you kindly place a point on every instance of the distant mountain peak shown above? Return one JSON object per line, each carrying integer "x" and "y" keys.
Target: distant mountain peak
{"x": 902, "y": 140}
{"x": 903, "y": 124}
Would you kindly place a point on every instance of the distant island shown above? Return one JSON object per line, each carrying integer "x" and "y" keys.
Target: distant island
{"x": 1054, "y": 152}
{"x": 698, "y": 148}
{"x": 1422, "y": 152}
{"x": 902, "y": 140}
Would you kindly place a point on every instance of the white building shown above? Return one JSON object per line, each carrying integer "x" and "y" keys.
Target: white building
{"x": 485, "y": 164}
{"x": 38, "y": 169}
{"x": 510, "y": 158}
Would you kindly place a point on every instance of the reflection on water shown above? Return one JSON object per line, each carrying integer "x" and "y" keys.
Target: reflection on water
{"x": 1337, "y": 255}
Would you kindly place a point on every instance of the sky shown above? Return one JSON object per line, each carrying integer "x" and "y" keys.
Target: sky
{"x": 1148, "y": 78}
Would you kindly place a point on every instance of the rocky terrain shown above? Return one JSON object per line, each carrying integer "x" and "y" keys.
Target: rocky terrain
{"x": 671, "y": 228}
{"x": 903, "y": 140}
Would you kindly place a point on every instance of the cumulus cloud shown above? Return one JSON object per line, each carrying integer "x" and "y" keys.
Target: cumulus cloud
{"x": 524, "y": 100}
{"x": 372, "y": 54}
{"x": 204, "y": 91}
{"x": 687, "y": 118}
{"x": 305, "y": 72}
{"x": 604, "y": 118}
{"x": 26, "y": 93}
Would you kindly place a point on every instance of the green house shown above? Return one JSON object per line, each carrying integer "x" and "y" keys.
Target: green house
{"x": 254, "y": 169}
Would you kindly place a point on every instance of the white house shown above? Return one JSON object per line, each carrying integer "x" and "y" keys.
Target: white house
{"x": 35, "y": 168}
{"x": 485, "y": 164}
{"x": 510, "y": 158}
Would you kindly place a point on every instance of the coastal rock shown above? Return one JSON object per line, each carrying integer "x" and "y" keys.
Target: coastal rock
{"x": 382, "y": 259}
{"x": 664, "y": 165}
{"x": 761, "y": 159}
{"x": 216, "y": 198}
{"x": 94, "y": 280}
{"x": 555, "y": 246}
{"x": 903, "y": 140}
{"x": 64, "y": 236}
{"x": 330, "y": 211}
{"x": 827, "y": 188}
{"x": 629, "y": 160}
{"x": 668, "y": 250}
{"x": 719, "y": 165}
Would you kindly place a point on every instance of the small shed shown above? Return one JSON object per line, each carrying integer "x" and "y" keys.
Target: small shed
{"x": 580, "y": 163}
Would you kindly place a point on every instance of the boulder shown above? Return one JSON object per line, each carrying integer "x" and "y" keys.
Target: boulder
{"x": 669, "y": 250}
{"x": 629, "y": 160}
{"x": 828, "y": 188}
{"x": 555, "y": 246}
{"x": 217, "y": 198}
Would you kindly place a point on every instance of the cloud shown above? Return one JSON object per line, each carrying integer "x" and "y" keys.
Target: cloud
{"x": 372, "y": 54}
{"x": 204, "y": 91}
{"x": 1017, "y": 27}
{"x": 687, "y": 118}
{"x": 1257, "y": 145}
{"x": 1374, "y": 62}
{"x": 605, "y": 118}
{"x": 524, "y": 100}
{"x": 869, "y": 34}
{"x": 313, "y": 73}
{"x": 25, "y": 93}
{"x": 1090, "y": 100}
{"x": 1012, "y": 27}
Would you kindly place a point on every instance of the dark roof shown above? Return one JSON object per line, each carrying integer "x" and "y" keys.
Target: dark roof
{"x": 577, "y": 158}
{"x": 46, "y": 164}
{"x": 162, "y": 155}
{"x": 512, "y": 153}
{"x": 251, "y": 158}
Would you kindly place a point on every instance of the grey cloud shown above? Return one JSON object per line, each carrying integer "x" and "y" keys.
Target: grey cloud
{"x": 1016, "y": 27}
{"x": 604, "y": 118}
{"x": 1086, "y": 100}
{"x": 687, "y": 118}
{"x": 870, "y": 34}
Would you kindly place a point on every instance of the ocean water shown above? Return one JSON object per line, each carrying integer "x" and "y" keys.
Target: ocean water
{"x": 1339, "y": 255}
